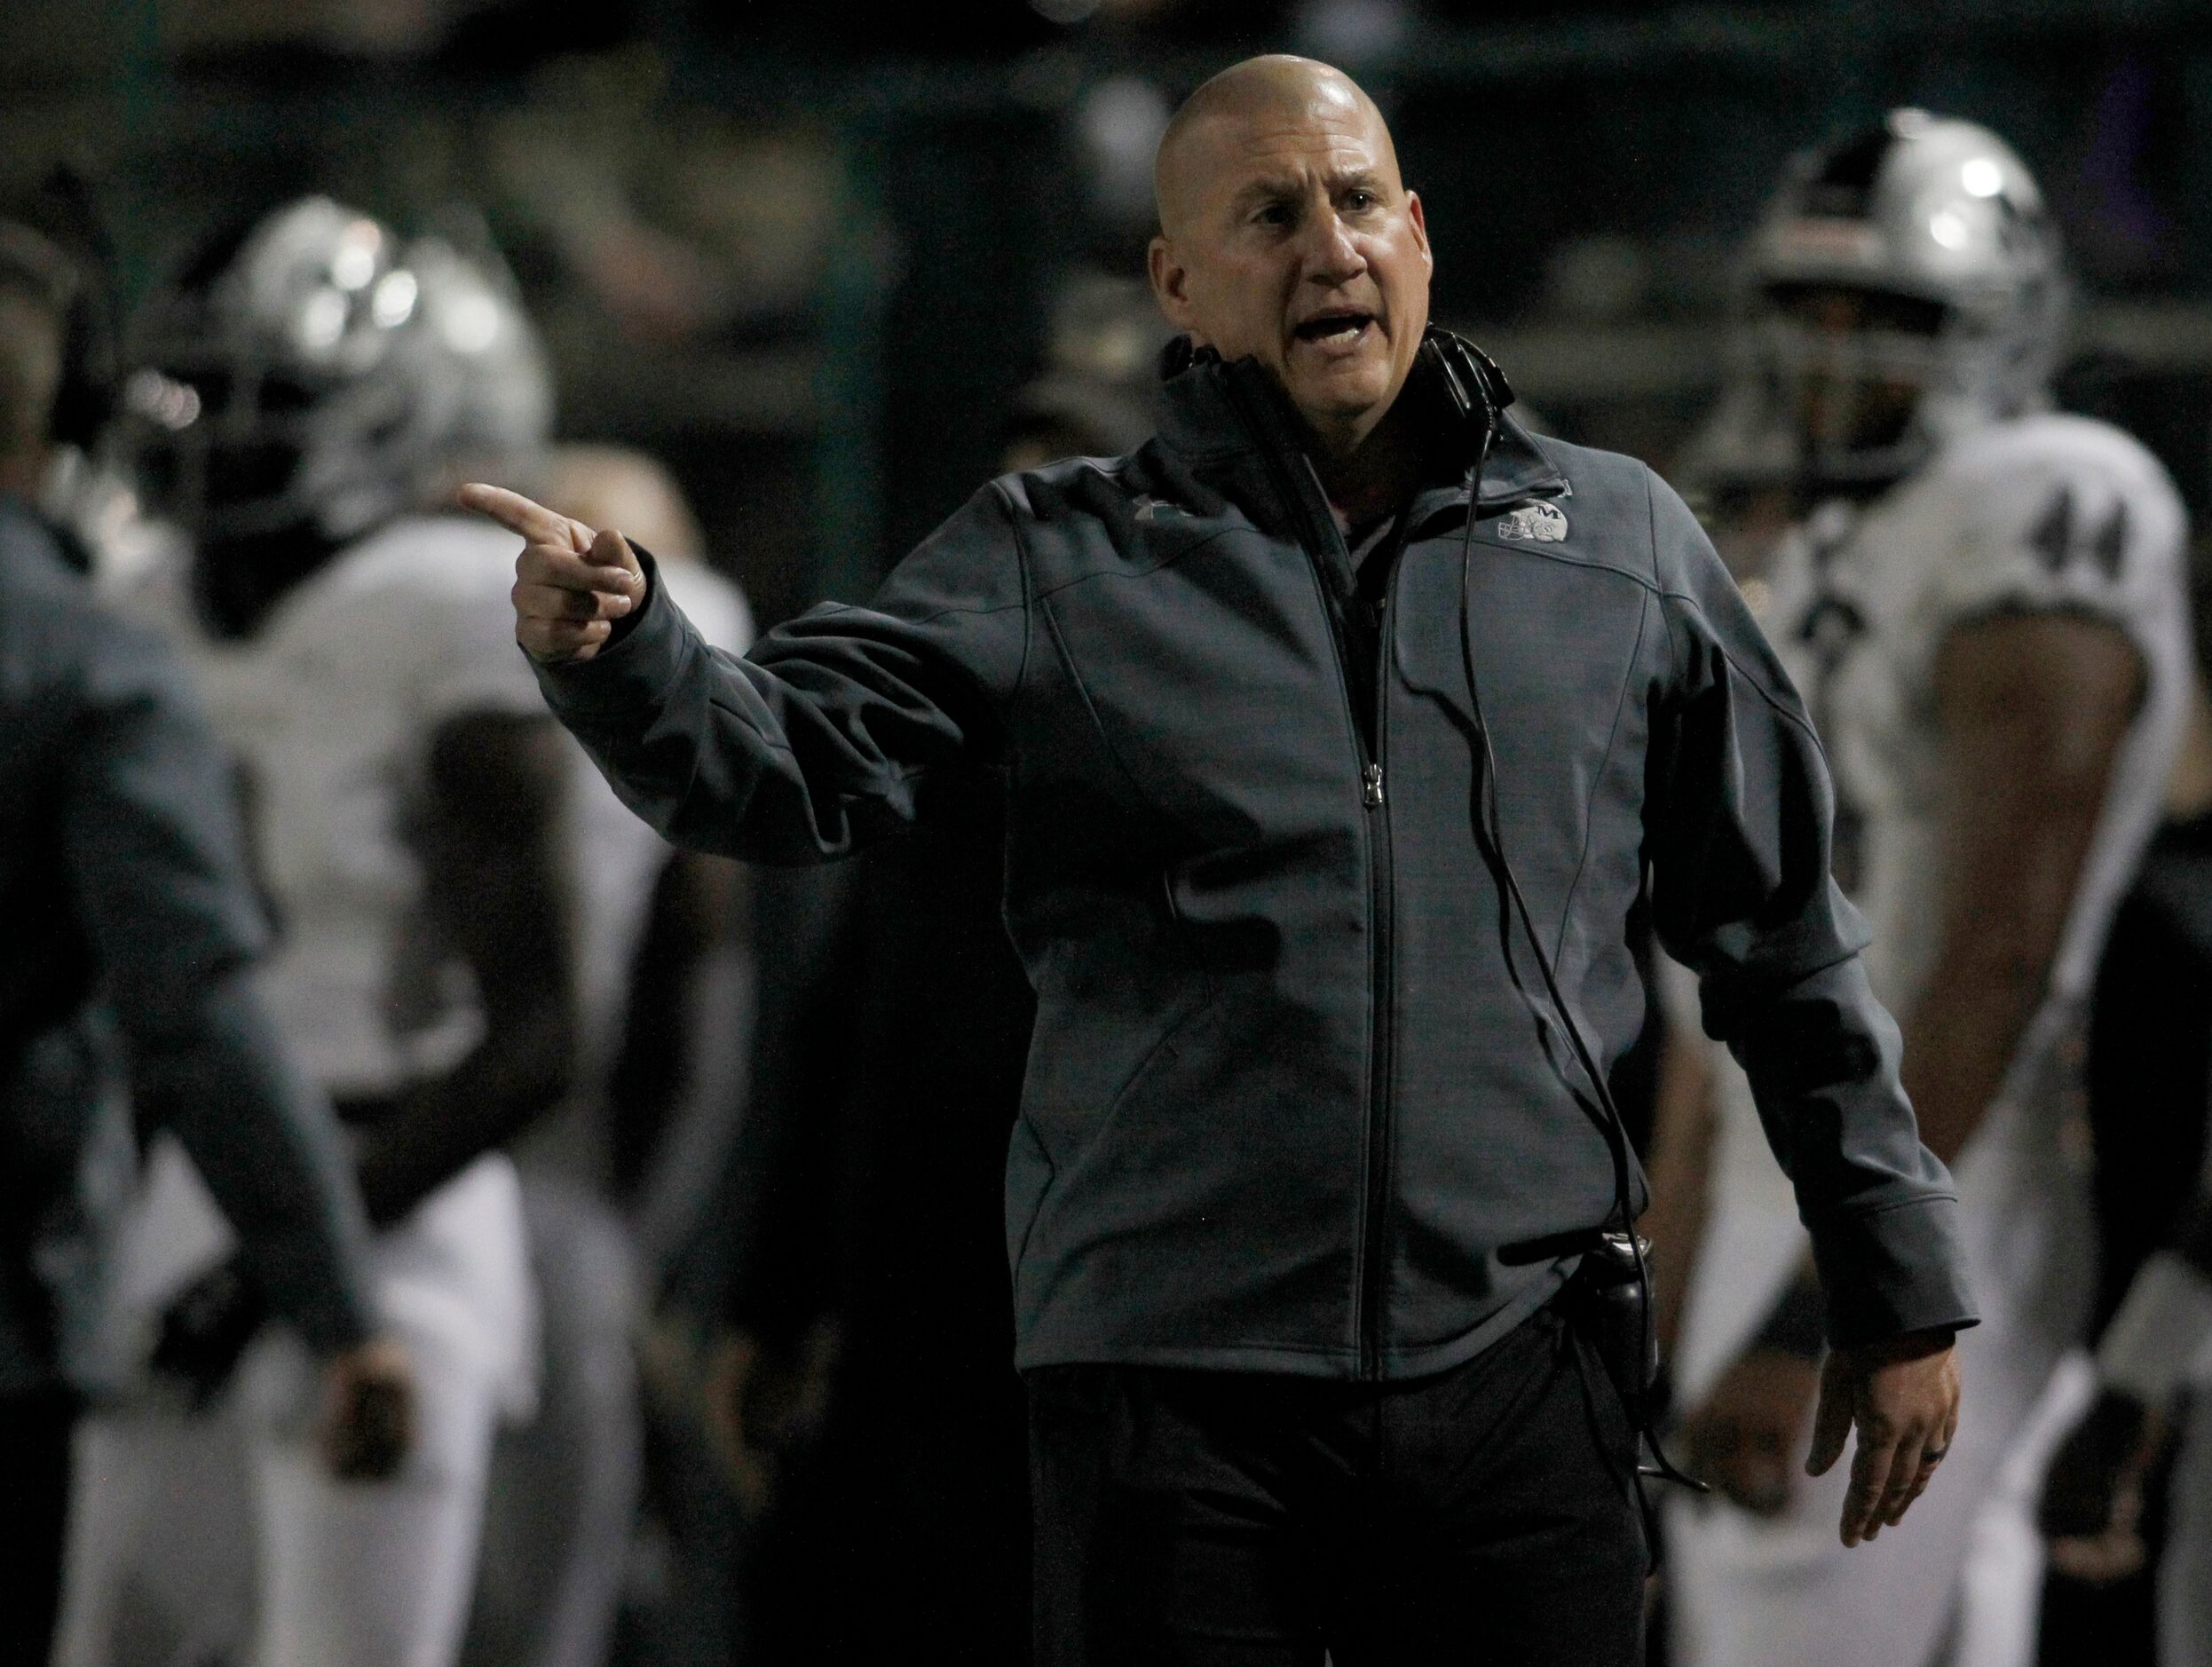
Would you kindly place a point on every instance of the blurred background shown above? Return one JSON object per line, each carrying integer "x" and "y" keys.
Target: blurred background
{"x": 832, "y": 264}
{"x": 807, "y": 252}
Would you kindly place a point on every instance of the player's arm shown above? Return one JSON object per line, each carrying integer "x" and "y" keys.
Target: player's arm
{"x": 157, "y": 858}
{"x": 826, "y": 738}
{"x": 1685, "y": 1130}
{"x": 2032, "y": 709}
{"x": 1737, "y": 817}
{"x": 489, "y": 843}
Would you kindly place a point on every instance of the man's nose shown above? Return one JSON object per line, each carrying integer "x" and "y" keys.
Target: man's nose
{"x": 1331, "y": 255}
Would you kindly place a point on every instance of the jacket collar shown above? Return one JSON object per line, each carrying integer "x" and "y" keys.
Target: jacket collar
{"x": 1225, "y": 418}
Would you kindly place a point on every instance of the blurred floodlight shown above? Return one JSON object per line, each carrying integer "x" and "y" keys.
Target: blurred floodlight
{"x": 393, "y": 304}
{"x": 1063, "y": 11}
{"x": 353, "y": 264}
{"x": 1601, "y": 279}
{"x": 1351, "y": 31}
{"x": 1120, "y": 120}
{"x": 321, "y": 322}
{"x": 1981, "y": 177}
{"x": 1948, "y": 229}
{"x": 159, "y": 398}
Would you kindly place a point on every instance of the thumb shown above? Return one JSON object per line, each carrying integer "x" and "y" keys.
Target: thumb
{"x": 1831, "y": 1423}
{"x": 609, "y": 549}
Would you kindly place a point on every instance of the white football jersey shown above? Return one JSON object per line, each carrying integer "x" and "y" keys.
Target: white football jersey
{"x": 2045, "y": 513}
{"x": 330, "y": 709}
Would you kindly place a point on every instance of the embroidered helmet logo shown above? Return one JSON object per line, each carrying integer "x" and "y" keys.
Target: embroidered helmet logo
{"x": 1535, "y": 523}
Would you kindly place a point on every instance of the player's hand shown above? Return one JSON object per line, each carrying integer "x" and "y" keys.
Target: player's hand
{"x": 572, "y": 583}
{"x": 205, "y": 1330}
{"x": 1744, "y": 1436}
{"x": 766, "y": 1404}
{"x": 1903, "y": 1396}
{"x": 2092, "y": 1498}
{"x": 368, "y": 1412}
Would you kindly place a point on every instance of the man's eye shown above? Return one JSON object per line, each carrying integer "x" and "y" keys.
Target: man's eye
{"x": 1274, "y": 214}
{"x": 1359, "y": 202}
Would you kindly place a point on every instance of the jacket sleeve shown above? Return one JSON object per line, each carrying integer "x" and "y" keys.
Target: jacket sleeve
{"x": 828, "y": 735}
{"x": 155, "y": 857}
{"x": 1737, "y": 813}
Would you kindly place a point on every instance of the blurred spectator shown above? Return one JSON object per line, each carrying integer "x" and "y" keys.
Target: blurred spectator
{"x": 866, "y": 1395}
{"x": 133, "y": 931}
{"x": 1095, "y": 396}
{"x": 616, "y": 1174}
{"x": 2129, "y": 1582}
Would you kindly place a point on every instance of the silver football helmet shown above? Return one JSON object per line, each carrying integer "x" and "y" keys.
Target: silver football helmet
{"x": 1940, "y": 228}
{"x": 313, "y": 372}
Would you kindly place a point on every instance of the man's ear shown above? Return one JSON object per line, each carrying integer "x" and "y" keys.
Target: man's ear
{"x": 1170, "y": 280}
{"x": 1419, "y": 216}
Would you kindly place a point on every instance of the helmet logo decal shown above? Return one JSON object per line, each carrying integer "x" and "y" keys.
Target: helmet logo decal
{"x": 1534, "y": 522}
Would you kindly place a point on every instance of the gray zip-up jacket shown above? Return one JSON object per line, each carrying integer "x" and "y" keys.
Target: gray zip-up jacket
{"x": 1297, "y": 1100}
{"x": 131, "y": 925}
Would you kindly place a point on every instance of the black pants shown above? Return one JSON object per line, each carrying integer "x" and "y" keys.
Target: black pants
{"x": 1486, "y": 1515}
{"x": 34, "y": 1507}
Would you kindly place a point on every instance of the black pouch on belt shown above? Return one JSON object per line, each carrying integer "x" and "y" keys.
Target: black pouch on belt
{"x": 1607, "y": 1299}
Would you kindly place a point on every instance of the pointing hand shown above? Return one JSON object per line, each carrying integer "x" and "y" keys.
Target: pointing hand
{"x": 571, "y": 582}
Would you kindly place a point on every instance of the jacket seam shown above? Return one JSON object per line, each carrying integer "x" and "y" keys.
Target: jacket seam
{"x": 1029, "y": 598}
{"x": 1781, "y": 707}
{"x": 1159, "y": 566}
{"x": 1590, "y": 808}
{"x": 1052, "y": 1178}
{"x": 1767, "y": 990}
{"x": 1855, "y": 1211}
{"x": 1666, "y": 619}
{"x": 1587, "y": 564}
{"x": 1151, "y": 806}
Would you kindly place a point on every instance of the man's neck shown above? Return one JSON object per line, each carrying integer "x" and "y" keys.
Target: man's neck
{"x": 1373, "y": 477}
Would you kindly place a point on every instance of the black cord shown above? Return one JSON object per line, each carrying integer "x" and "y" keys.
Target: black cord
{"x": 1610, "y": 1122}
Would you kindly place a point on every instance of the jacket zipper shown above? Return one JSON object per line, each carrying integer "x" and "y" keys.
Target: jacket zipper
{"x": 1374, "y": 1248}
{"x": 1322, "y": 540}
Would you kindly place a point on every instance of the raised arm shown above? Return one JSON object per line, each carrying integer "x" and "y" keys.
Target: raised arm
{"x": 827, "y": 737}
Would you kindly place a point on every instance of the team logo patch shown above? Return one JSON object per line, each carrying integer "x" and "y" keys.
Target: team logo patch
{"x": 1534, "y": 522}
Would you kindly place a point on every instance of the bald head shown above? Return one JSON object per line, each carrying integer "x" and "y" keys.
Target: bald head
{"x": 1275, "y": 89}
{"x": 1287, "y": 236}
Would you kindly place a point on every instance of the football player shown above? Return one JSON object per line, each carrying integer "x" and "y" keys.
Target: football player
{"x": 1981, "y": 600}
{"x": 307, "y": 385}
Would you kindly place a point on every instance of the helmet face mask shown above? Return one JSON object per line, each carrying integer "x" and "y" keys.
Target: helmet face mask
{"x": 1851, "y": 368}
{"x": 1905, "y": 286}
{"x": 312, "y": 378}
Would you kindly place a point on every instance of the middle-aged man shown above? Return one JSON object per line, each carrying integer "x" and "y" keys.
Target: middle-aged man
{"x": 1306, "y": 1156}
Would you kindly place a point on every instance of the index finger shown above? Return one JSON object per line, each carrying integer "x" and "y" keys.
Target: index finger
{"x": 536, "y": 523}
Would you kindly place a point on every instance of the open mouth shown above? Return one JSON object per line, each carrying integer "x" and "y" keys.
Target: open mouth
{"x": 1340, "y": 328}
